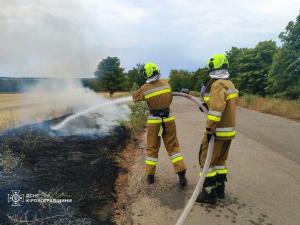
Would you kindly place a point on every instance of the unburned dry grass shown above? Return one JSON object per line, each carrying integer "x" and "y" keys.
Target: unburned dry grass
{"x": 20, "y": 107}
{"x": 284, "y": 108}
{"x": 9, "y": 103}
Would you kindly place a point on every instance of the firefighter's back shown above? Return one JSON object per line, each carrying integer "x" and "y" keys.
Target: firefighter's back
{"x": 158, "y": 94}
{"x": 226, "y": 89}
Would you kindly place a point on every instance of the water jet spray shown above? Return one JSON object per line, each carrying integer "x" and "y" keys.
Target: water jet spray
{"x": 90, "y": 110}
{"x": 200, "y": 182}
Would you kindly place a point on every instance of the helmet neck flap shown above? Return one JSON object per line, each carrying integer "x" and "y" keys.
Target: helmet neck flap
{"x": 219, "y": 74}
{"x": 153, "y": 78}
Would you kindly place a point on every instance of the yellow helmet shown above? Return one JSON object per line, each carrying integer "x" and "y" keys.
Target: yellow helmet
{"x": 217, "y": 62}
{"x": 150, "y": 70}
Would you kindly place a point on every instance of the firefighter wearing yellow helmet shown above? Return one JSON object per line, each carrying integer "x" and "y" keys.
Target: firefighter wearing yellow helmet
{"x": 221, "y": 100}
{"x": 161, "y": 123}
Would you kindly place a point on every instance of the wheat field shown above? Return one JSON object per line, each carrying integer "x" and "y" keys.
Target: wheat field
{"x": 10, "y": 105}
{"x": 15, "y": 107}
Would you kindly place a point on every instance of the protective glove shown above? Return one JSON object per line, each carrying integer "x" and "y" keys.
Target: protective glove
{"x": 209, "y": 133}
{"x": 205, "y": 105}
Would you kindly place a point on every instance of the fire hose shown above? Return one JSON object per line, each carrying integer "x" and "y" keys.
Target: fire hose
{"x": 199, "y": 185}
{"x": 200, "y": 182}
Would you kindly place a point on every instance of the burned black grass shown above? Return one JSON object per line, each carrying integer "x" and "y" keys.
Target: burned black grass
{"x": 81, "y": 168}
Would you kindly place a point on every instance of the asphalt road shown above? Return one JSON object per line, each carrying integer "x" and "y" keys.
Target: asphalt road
{"x": 263, "y": 186}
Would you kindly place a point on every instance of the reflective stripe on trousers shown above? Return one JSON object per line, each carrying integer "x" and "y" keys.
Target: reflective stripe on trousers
{"x": 176, "y": 157}
{"x": 151, "y": 161}
{"x": 225, "y": 132}
{"x": 210, "y": 172}
{"x": 213, "y": 171}
{"x": 221, "y": 169}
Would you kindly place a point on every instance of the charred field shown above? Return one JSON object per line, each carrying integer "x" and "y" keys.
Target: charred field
{"x": 49, "y": 178}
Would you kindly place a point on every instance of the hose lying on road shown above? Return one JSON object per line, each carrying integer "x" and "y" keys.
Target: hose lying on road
{"x": 199, "y": 185}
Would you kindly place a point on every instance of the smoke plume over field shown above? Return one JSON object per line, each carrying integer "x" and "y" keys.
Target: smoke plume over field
{"x": 55, "y": 97}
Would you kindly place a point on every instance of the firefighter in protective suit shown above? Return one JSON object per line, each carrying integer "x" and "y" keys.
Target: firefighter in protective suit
{"x": 221, "y": 99}
{"x": 161, "y": 123}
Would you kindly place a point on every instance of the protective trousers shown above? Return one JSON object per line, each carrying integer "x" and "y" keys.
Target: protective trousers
{"x": 219, "y": 157}
{"x": 171, "y": 143}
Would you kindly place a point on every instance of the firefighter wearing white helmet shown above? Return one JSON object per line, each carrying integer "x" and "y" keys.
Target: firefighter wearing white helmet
{"x": 221, "y": 100}
{"x": 161, "y": 123}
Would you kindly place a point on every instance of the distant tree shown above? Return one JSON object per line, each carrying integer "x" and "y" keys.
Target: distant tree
{"x": 135, "y": 76}
{"x": 284, "y": 77}
{"x": 200, "y": 76}
{"x": 180, "y": 79}
{"x": 110, "y": 75}
{"x": 249, "y": 68}
{"x": 92, "y": 83}
{"x": 233, "y": 56}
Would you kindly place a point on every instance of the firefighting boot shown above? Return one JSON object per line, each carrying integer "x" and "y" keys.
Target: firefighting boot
{"x": 220, "y": 183}
{"x": 182, "y": 178}
{"x": 208, "y": 194}
{"x": 150, "y": 179}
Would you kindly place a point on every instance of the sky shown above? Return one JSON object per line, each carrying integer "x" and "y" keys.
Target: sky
{"x": 68, "y": 38}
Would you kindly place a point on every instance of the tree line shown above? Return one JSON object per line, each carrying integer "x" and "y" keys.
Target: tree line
{"x": 13, "y": 85}
{"x": 266, "y": 69}
{"x": 109, "y": 77}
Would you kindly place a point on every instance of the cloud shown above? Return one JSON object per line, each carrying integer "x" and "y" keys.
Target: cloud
{"x": 60, "y": 38}
{"x": 67, "y": 38}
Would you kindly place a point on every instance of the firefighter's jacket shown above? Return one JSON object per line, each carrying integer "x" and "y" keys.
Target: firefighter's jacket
{"x": 158, "y": 95}
{"x": 221, "y": 100}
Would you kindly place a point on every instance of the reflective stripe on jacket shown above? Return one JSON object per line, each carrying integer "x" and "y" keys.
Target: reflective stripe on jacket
{"x": 222, "y": 108}
{"x": 157, "y": 91}
{"x": 157, "y": 94}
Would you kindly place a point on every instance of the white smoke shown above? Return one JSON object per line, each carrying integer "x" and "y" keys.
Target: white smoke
{"x": 51, "y": 98}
